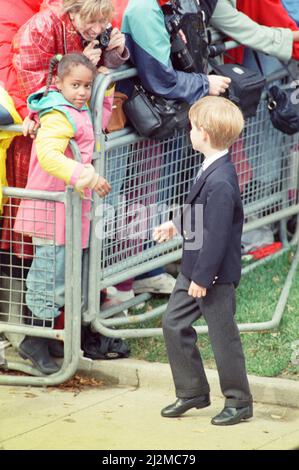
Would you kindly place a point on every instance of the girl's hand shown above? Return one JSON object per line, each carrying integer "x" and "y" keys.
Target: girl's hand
{"x": 104, "y": 70}
{"x": 30, "y": 127}
{"x": 94, "y": 54}
{"x": 117, "y": 41}
{"x": 164, "y": 232}
{"x": 102, "y": 187}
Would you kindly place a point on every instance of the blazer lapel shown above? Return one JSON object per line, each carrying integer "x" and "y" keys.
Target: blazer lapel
{"x": 198, "y": 185}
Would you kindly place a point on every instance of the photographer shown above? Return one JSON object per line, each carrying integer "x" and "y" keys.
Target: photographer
{"x": 74, "y": 29}
{"x": 149, "y": 44}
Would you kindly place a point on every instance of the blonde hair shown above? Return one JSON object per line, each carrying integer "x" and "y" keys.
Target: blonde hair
{"x": 220, "y": 118}
{"x": 90, "y": 9}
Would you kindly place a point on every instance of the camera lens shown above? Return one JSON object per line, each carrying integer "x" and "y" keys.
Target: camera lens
{"x": 104, "y": 40}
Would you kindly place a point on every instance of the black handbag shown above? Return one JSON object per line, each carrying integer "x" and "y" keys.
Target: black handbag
{"x": 283, "y": 105}
{"x": 154, "y": 116}
{"x": 245, "y": 88}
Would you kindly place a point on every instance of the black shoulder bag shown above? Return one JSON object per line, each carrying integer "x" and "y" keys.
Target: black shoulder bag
{"x": 154, "y": 116}
{"x": 246, "y": 86}
{"x": 283, "y": 103}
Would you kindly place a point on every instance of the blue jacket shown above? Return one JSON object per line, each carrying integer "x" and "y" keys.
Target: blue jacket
{"x": 149, "y": 44}
{"x": 216, "y": 254}
{"x": 292, "y": 8}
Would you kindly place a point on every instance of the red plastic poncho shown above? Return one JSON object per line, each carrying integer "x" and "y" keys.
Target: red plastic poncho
{"x": 13, "y": 13}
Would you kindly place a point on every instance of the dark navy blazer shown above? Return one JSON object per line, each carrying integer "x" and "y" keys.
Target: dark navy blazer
{"x": 219, "y": 258}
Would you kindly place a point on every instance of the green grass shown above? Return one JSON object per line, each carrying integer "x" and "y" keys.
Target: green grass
{"x": 267, "y": 354}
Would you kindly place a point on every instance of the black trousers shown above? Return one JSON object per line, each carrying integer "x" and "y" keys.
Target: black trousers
{"x": 218, "y": 309}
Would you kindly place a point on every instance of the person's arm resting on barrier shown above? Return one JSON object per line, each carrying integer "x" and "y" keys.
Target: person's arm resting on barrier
{"x": 273, "y": 41}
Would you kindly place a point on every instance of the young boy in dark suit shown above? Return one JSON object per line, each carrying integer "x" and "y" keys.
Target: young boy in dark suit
{"x": 211, "y": 225}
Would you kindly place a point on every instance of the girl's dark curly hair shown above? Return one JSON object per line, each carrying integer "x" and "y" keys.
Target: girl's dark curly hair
{"x": 65, "y": 64}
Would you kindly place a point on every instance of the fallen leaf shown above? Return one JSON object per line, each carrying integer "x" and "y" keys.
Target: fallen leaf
{"x": 78, "y": 383}
{"x": 30, "y": 395}
{"x": 69, "y": 420}
{"x": 276, "y": 416}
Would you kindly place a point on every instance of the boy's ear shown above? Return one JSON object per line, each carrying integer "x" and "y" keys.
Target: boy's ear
{"x": 204, "y": 134}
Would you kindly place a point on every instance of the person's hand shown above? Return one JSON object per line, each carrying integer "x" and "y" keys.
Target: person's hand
{"x": 30, "y": 127}
{"x": 196, "y": 291}
{"x": 94, "y": 54}
{"x": 218, "y": 84}
{"x": 164, "y": 232}
{"x": 117, "y": 41}
{"x": 104, "y": 70}
{"x": 295, "y": 36}
{"x": 102, "y": 187}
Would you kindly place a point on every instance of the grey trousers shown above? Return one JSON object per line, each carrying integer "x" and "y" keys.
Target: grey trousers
{"x": 218, "y": 309}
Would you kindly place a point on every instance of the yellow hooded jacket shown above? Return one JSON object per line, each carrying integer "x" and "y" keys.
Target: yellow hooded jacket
{"x": 6, "y": 138}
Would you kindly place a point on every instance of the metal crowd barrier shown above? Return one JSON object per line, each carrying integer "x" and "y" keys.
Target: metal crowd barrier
{"x": 150, "y": 180}
{"x": 15, "y": 320}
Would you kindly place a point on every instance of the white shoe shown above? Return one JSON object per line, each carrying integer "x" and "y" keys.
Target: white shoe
{"x": 161, "y": 284}
{"x": 110, "y": 302}
{"x": 123, "y": 296}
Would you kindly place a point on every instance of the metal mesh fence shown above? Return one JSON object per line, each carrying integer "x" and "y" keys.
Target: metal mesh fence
{"x": 150, "y": 181}
{"x": 28, "y": 263}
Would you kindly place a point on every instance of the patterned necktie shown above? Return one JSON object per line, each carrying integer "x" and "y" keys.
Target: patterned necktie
{"x": 199, "y": 173}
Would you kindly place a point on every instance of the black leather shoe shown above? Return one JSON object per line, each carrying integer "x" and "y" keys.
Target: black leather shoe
{"x": 56, "y": 348}
{"x": 36, "y": 349}
{"x": 184, "y": 404}
{"x": 230, "y": 415}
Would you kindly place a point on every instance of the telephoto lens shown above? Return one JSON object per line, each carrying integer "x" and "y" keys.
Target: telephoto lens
{"x": 180, "y": 56}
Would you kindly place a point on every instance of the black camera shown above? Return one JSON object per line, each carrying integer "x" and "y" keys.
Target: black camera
{"x": 180, "y": 56}
{"x": 187, "y": 16}
{"x": 104, "y": 39}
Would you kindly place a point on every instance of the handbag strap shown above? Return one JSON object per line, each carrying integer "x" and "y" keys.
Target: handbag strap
{"x": 269, "y": 97}
{"x": 258, "y": 61}
{"x": 137, "y": 84}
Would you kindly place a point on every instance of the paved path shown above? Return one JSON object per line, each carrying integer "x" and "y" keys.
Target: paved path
{"x": 114, "y": 417}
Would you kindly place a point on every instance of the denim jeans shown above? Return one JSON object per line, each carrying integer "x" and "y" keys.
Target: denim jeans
{"x": 46, "y": 281}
